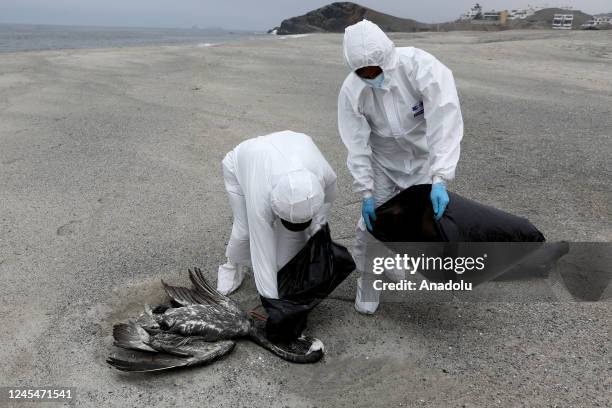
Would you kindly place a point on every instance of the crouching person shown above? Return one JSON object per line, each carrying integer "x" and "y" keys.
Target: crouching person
{"x": 280, "y": 189}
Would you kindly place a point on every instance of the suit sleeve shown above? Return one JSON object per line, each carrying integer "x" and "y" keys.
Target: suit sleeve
{"x": 355, "y": 133}
{"x": 262, "y": 236}
{"x": 442, "y": 114}
{"x": 263, "y": 252}
{"x": 329, "y": 188}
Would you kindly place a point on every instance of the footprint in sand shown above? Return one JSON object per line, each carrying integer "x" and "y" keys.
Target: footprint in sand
{"x": 68, "y": 228}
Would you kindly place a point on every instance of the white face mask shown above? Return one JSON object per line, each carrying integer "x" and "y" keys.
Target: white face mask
{"x": 375, "y": 82}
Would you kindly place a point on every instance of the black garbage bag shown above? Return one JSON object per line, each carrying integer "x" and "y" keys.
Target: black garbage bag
{"x": 516, "y": 245}
{"x": 309, "y": 277}
{"x": 408, "y": 217}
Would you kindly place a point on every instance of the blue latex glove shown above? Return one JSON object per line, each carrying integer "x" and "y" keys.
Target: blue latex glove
{"x": 439, "y": 199}
{"x": 367, "y": 211}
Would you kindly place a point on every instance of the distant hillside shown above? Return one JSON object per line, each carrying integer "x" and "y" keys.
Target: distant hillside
{"x": 336, "y": 17}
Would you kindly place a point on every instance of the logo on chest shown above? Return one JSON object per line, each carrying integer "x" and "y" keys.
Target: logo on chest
{"x": 418, "y": 109}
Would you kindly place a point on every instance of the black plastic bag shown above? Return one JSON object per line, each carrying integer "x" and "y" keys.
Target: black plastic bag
{"x": 309, "y": 277}
{"x": 408, "y": 217}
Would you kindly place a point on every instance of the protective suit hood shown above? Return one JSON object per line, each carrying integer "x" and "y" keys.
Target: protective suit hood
{"x": 365, "y": 44}
{"x": 297, "y": 197}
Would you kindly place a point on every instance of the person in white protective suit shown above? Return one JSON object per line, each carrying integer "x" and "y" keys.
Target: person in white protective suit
{"x": 400, "y": 119}
{"x": 280, "y": 189}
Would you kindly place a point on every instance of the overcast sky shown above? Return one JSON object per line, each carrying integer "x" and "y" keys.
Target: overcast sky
{"x": 240, "y": 14}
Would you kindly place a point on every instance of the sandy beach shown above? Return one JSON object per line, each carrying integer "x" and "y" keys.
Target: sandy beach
{"x": 110, "y": 179}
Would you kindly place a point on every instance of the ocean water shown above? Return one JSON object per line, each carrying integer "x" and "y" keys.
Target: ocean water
{"x": 26, "y": 37}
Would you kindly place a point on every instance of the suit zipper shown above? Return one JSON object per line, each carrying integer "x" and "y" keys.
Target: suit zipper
{"x": 397, "y": 116}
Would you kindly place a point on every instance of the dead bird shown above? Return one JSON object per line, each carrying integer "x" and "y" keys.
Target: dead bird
{"x": 201, "y": 329}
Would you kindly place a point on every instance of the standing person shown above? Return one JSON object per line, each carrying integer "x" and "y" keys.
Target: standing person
{"x": 280, "y": 188}
{"x": 399, "y": 117}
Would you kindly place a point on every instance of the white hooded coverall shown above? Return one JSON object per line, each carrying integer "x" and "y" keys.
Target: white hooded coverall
{"x": 407, "y": 132}
{"x": 261, "y": 175}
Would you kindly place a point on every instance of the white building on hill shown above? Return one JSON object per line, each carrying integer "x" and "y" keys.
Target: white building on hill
{"x": 473, "y": 13}
{"x": 597, "y": 21}
{"x": 563, "y": 21}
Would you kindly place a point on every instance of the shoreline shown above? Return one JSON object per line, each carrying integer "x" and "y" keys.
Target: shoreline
{"x": 151, "y": 46}
{"x": 546, "y": 34}
{"x": 34, "y": 37}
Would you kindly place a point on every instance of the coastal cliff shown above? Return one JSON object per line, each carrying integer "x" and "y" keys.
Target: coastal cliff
{"x": 335, "y": 17}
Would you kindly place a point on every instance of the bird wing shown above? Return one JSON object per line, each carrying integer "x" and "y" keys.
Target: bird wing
{"x": 182, "y": 346}
{"x": 141, "y": 351}
{"x": 131, "y": 336}
{"x": 184, "y": 296}
{"x": 136, "y": 361}
{"x": 204, "y": 288}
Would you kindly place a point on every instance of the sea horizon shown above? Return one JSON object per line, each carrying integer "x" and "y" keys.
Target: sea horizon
{"x": 18, "y": 37}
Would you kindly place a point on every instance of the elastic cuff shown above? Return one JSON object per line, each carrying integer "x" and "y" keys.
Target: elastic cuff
{"x": 438, "y": 179}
